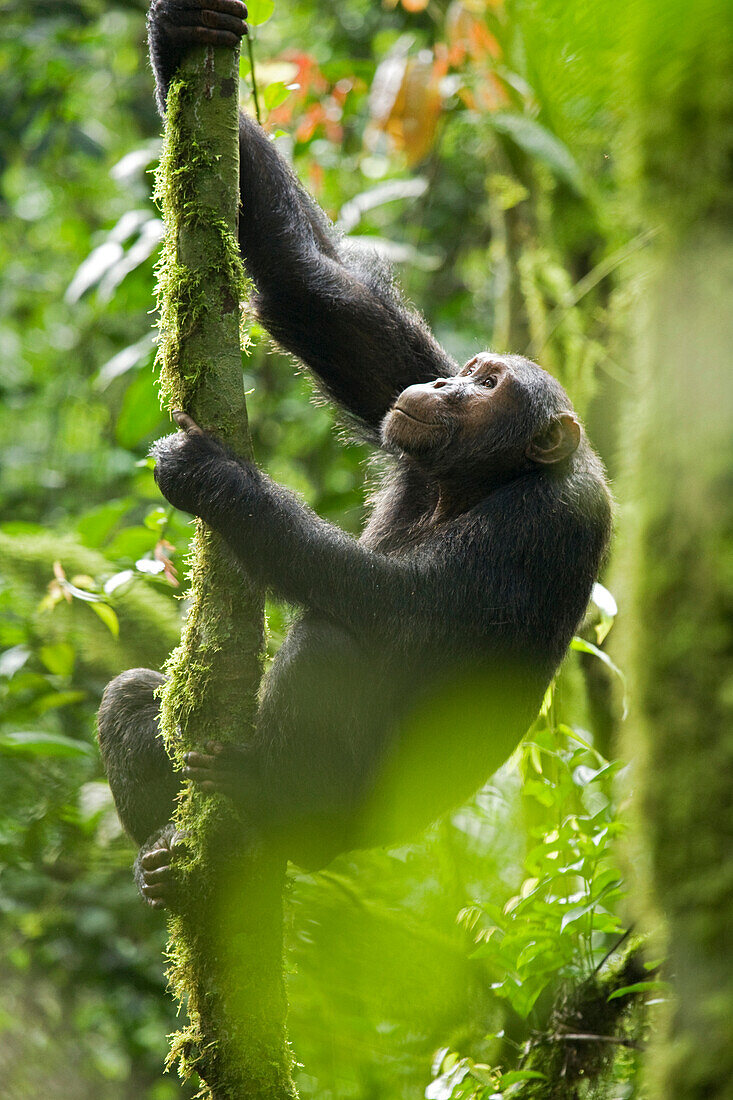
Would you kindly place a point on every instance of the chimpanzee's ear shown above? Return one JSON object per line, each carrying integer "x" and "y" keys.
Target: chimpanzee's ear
{"x": 557, "y": 442}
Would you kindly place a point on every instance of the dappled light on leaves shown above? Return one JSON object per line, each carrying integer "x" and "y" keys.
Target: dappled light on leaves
{"x": 405, "y": 103}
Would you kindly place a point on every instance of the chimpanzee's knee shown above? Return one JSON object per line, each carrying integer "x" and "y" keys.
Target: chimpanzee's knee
{"x": 140, "y": 773}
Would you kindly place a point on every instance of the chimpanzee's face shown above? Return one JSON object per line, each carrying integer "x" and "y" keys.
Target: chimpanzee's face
{"x": 478, "y": 413}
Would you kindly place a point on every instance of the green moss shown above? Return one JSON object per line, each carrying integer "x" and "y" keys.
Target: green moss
{"x": 184, "y": 292}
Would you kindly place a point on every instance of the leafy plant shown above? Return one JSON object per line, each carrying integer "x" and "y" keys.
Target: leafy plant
{"x": 561, "y": 924}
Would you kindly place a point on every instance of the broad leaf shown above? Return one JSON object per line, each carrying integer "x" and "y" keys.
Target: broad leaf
{"x": 34, "y": 743}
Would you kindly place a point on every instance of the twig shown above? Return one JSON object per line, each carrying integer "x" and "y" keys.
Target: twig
{"x": 250, "y": 51}
{"x": 615, "y": 947}
{"x": 583, "y": 1037}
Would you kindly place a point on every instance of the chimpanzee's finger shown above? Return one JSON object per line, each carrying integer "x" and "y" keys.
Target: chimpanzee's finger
{"x": 202, "y": 36}
{"x": 232, "y": 7}
{"x": 157, "y": 891}
{"x": 186, "y": 423}
{"x": 162, "y": 874}
{"x": 212, "y": 20}
{"x": 158, "y": 857}
{"x": 199, "y": 760}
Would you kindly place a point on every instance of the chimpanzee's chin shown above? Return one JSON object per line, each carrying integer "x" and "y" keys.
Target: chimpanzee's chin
{"x": 403, "y": 435}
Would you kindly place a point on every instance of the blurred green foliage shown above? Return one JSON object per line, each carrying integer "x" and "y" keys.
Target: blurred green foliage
{"x": 476, "y": 144}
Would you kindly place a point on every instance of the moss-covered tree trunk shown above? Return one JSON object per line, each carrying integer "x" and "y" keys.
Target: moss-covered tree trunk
{"x": 226, "y": 938}
{"x": 682, "y": 553}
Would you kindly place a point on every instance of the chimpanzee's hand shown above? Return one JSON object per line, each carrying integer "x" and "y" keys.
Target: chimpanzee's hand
{"x": 231, "y": 770}
{"x": 195, "y": 472}
{"x": 183, "y": 23}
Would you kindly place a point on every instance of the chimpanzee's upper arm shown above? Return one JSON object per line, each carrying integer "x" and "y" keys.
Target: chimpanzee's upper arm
{"x": 345, "y": 321}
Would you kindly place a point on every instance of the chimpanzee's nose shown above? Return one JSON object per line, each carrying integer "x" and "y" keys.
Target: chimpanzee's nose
{"x": 440, "y": 382}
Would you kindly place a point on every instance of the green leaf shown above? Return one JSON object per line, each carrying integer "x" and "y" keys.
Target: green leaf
{"x": 581, "y": 646}
{"x": 275, "y": 94}
{"x": 82, "y": 594}
{"x": 607, "y": 609}
{"x": 575, "y": 914}
{"x": 516, "y": 1075}
{"x": 544, "y": 794}
{"x": 523, "y": 997}
{"x": 55, "y": 699}
{"x": 638, "y": 987}
{"x": 533, "y": 950}
{"x": 58, "y": 658}
{"x": 259, "y": 11}
{"x": 605, "y": 922}
{"x": 33, "y": 743}
{"x": 119, "y": 580}
{"x": 539, "y": 143}
{"x": 96, "y": 525}
{"x": 157, "y": 519}
{"x": 13, "y": 659}
{"x": 108, "y": 617}
{"x": 583, "y": 775}
{"x": 604, "y": 880}
{"x": 140, "y": 415}
{"x": 131, "y": 542}
{"x": 574, "y": 734}
{"x": 483, "y": 1073}
{"x": 486, "y": 948}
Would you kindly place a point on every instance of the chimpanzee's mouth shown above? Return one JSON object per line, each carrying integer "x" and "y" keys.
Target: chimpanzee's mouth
{"x": 425, "y": 423}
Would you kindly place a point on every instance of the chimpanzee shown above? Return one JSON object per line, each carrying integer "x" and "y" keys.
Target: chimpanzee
{"x": 423, "y": 649}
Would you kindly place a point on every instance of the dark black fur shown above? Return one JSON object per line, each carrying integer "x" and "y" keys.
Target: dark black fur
{"x": 423, "y": 649}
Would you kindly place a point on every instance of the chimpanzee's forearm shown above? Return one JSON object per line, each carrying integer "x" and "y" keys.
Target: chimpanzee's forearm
{"x": 278, "y": 540}
{"x": 308, "y": 562}
{"x": 338, "y": 312}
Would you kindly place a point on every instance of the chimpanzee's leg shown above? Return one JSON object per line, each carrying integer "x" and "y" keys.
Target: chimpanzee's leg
{"x": 141, "y": 776}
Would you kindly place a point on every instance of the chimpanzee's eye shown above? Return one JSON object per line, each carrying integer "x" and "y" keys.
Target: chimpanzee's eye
{"x": 489, "y": 381}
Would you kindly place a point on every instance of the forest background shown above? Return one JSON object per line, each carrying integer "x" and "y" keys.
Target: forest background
{"x": 549, "y": 178}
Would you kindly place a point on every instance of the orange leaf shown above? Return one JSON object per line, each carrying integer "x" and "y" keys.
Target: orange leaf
{"x": 406, "y": 102}
{"x": 463, "y": 28}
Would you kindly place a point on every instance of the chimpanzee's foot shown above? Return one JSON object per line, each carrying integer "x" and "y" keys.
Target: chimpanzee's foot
{"x": 201, "y": 22}
{"x": 223, "y": 769}
{"x": 156, "y": 872}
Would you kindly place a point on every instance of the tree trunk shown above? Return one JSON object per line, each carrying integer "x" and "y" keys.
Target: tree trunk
{"x": 682, "y": 555}
{"x": 226, "y": 940}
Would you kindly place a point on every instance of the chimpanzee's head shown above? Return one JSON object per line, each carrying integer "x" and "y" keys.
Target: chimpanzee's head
{"x": 500, "y": 414}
